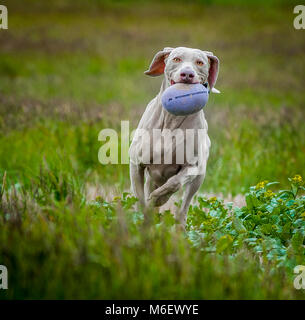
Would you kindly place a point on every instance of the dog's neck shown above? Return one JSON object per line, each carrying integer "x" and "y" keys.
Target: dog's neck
{"x": 165, "y": 84}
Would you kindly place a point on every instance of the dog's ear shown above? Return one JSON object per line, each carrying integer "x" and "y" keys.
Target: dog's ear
{"x": 213, "y": 70}
{"x": 157, "y": 65}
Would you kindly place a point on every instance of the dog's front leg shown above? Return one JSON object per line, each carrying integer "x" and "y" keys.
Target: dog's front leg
{"x": 137, "y": 183}
{"x": 138, "y": 188}
{"x": 173, "y": 184}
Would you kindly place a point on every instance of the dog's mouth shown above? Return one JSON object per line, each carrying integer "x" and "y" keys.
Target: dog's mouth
{"x": 172, "y": 82}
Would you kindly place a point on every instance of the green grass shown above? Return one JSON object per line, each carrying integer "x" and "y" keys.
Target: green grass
{"x": 68, "y": 70}
{"x": 58, "y": 245}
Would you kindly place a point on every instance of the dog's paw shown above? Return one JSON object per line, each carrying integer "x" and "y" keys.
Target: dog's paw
{"x": 169, "y": 187}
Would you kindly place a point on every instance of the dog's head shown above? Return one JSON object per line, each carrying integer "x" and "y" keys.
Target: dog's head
{"x": 185, "y": 65}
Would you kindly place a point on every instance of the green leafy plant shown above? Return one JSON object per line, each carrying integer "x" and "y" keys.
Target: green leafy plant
{"x": 271, "y": 224}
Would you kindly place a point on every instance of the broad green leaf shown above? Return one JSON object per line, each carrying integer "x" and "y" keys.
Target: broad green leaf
{"x": 238, "y": 225}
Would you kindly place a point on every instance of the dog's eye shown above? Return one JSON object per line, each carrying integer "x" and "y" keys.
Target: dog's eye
{"x": 199, "y": 63}
{"x": 176, "y": 59}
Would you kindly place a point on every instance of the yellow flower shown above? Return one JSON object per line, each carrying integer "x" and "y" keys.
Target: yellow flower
{"x": 268, "y": 194}
{"x": 261, "y": 185}
{"x": 297, "y": 179}
{"x": 213, "y": 199}
{"x": 99, "y": 199}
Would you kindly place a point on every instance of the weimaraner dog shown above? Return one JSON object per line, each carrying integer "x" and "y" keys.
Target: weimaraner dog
{"x": 154, "y": 180}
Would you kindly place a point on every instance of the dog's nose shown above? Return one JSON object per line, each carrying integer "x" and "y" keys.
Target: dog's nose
{"x": 187, "y": 74}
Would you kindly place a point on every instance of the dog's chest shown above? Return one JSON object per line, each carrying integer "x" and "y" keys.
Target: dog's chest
{"x": 165, "y": 139}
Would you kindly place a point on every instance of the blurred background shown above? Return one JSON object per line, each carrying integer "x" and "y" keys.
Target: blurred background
{"x": 71, "y": 68}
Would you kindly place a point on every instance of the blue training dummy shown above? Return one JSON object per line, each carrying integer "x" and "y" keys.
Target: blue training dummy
{"x": 183, "y": 99}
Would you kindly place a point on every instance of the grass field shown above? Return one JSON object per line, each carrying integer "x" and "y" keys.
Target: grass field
{"x": 68, "y": 69}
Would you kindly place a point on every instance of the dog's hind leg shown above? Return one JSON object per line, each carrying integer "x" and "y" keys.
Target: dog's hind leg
{"x": 190, "y": 190}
